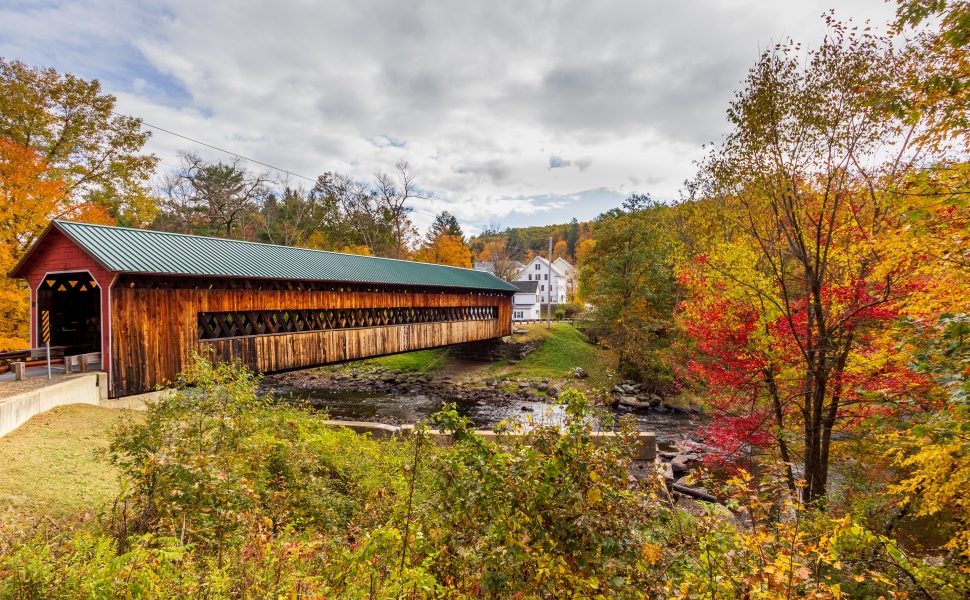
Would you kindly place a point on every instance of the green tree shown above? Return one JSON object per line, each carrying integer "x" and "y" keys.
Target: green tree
{"x": 444, "y": 223}
{"x": 628, "y": 278}
{"x": 363, "y": 219}
{"x": 209, "y": 198}
{"x": 572, "y": 237}
{"x": 71, "y": 123}
{"x": 937, "y": 94}
{"x": 292, "y": 216}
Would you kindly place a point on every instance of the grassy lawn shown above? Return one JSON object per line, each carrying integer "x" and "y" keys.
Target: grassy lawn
{"x": 561, "y": 349}
{"x": 51, "y": 466}
{"x": 420, "y": 361}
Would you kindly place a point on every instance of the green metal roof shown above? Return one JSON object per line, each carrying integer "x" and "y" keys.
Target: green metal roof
{"x": 126, "y": 250}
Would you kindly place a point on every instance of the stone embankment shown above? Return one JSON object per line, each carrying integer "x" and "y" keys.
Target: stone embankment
{"x": 380, "y": 381}
{"x": 634, "y": 396}
{"x": 676, "y": 464}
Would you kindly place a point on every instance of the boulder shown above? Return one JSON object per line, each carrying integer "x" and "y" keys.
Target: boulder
{"x": 632, "y": 402}
{"x": 684, "y": 461}
{"x": 580, "y": 373}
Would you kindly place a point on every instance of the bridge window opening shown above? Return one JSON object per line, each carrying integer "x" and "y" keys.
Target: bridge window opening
{"x": 218, "y": 325}
{"x": 69, "y": 312}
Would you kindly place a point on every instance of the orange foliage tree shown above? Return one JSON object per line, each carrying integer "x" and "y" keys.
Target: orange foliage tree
{"x": 30, "y": 196}
{"x": 560, "y": 250}
{"x": 445, "y": 249}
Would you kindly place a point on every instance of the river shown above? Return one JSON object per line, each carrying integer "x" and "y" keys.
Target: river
{"x": 399, "y": 408}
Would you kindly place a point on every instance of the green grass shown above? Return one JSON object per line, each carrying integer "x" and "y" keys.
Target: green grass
{"x": 561, "y": 349}
{"x": 52, "y": 466}
{"x": 420, "y": 361}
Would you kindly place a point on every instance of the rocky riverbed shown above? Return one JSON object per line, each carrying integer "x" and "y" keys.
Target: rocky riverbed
{"x": 378, "y": 395}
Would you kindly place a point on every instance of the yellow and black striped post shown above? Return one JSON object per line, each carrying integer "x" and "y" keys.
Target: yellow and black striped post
{"x": 45, "y": 334}
{"x": 45, "y": 326}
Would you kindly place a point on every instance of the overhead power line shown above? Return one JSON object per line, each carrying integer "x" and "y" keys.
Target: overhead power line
{"x": 259, "y": 162}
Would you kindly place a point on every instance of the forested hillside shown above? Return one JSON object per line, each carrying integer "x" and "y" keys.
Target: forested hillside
{"x": 524, "y": 243}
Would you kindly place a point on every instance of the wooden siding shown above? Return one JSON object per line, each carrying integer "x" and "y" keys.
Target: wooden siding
{"x": 154, "y": 330}
{"x": 279, "y": 352}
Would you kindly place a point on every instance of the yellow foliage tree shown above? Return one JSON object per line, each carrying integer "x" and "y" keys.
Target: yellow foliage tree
{"x": 360, "y": 249}
{"x": 583, "y": 251}
{"x": 445, "y": 249}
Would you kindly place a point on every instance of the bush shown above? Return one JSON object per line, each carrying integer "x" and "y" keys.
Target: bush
{"x": 231, "y": 496}
{"x": 560, "y": 314}
{"x": 569, "y": 310}
{"x": 215, "y": 458}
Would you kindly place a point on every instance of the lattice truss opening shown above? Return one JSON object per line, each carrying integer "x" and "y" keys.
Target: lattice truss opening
{"x": 214, "y": 325}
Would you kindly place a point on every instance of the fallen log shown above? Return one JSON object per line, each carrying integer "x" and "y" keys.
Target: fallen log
{"x": 695, "y": 493}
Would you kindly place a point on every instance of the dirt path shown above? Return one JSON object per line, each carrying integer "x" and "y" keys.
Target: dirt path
{"x": 459, "y": 370}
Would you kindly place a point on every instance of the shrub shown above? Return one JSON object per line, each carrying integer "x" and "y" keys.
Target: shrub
{"x": 231, "y": 496}
{"x": 215, "y": 455}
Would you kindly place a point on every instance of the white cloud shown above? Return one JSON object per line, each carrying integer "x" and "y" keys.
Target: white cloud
{"x": 506, "y": 111}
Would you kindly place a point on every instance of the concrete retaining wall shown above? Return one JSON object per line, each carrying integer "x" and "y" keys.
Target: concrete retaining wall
{"x": 80, "y": 389}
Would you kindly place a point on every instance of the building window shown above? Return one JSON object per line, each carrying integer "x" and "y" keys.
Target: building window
{"x": 546, "y": 276}
{"x": 530, "y": 277}
{"x": 538, "y": 266}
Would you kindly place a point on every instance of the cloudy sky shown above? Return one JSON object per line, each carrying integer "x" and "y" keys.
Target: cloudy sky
{"x": 513, "y": 112}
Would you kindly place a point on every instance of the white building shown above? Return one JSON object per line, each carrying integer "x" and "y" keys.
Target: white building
{"x": 507, "y": 266}
{"x": 525, "y": 302}
{"x": 556, "y": 284}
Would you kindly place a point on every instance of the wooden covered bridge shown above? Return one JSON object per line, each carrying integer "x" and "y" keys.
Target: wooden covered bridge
{"x": 146, "y": 299}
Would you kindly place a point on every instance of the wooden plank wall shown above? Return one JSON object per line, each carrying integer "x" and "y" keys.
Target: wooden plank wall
{"x": 268, "y": 353}
{"x": 153, "y": 330}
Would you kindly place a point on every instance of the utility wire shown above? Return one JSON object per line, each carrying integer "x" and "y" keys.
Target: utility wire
{"x": 259, "y": 162}
{"x": 229, "y": 152}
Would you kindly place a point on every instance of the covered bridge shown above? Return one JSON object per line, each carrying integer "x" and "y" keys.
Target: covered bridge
{"x": 146, "y": 299}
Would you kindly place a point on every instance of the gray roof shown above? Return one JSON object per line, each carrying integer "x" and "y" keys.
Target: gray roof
{"x": 125, "y": 250}
{"x": 526, "y": 287}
